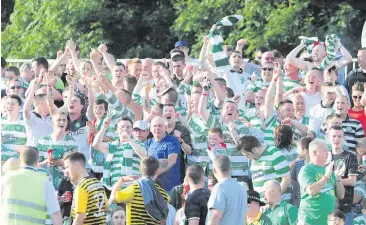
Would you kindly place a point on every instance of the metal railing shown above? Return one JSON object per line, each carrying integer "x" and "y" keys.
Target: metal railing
{"x": 17, "y": 62}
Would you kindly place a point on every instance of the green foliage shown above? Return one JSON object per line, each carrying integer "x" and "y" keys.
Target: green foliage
{"x": 41, "y": 27}
{"x": 272, "y": 23}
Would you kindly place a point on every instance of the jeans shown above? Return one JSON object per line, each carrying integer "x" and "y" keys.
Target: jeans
{"x": 348, "y": 218}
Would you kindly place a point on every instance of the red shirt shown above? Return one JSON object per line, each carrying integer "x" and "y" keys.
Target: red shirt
{"x": 358, "y": 115}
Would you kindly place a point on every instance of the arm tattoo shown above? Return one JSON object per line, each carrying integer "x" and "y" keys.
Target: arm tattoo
{"x": 163, "y": 163}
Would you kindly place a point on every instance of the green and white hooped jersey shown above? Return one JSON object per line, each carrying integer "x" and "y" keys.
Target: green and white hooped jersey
{"x": 360, "y": 220}
{"x": 13, "y": 136}
{"x": 289, "y": 84}
{"x": 272, "y": 165}
{"x": 199, "y": 132}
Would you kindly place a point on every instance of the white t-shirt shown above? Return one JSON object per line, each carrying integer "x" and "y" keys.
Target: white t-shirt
{"x": 311, "y": 100}
{"x": 237, "y": 81}
{"x": 37, "y": 127}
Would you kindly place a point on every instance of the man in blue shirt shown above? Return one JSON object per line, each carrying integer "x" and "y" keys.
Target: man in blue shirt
{"x": 166, "y": 149}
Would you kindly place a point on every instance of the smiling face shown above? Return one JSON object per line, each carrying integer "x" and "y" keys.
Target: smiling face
{"x": 214, "y": 139}
{"x": 169, "y": 114}
{"x": 12, "y": 106}
{"x": 267, "y": 71}
{"x": 341, "y": 106}
{"x": 99, "y": 111}
{"x": 75, "y": 105}
{"x": 290, "y": 69}
{"x": 318, "y": 53}
{"x": 14, "y": 87}
{"x": 312, "y": 79}
{"x": 59, "y": 122}
{"x": 299, "y": 106}
{"x": 286, "y": 111}
{"x": 356, "y": 98}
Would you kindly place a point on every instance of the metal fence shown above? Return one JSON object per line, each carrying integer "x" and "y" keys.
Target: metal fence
{"x": 17, "y": 62}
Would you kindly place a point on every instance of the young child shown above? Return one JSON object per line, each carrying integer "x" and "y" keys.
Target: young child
{"x": 216, "y": 145}
{"x": 336, "y": 218}
{"x": 361, "y": 219}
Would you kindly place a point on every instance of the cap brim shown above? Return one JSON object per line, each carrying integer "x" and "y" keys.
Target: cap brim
{"x": 256, "y": 200}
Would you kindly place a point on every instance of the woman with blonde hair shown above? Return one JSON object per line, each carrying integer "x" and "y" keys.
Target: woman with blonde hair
{"x": 357, "y": 112}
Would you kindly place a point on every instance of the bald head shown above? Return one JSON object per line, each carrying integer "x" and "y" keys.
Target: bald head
{"x": 317, "y": 144}
{"x": 318, "y": 152}
{"x": 272, "y": 185}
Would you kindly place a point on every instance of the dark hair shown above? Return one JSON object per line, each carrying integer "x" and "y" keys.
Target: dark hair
{"x": 17, "y": 98}
{"x": 362, "y": 49}
{"x": 125, "y": 118}
{"x": 29, "y": 155}
{"x": 102, "y": 101}
{"x": 286, "y": 101}
{"x": 41, "y": 61}
{"x": 13, "y": 69}
{"x": 221, "y": 81}
{"x": 276, "y": 53}
{"x": 81, "y": 98}
{"x": 76, "y": 157}
{"x": 305, "y": 141}
{"x": 169, "y": 105}
{"x": 335, "y": 127}
{"x": 283, "y": 137}
{"x": 118, "y": 208}
{"x": 172, "y": 95}
{"x": 327, "y": 84}
{"x": 262, "y": 49}
{"x": 180, "y": 52}
{"x": 247, "y": 143}
{"x": 237, "y": 52}
{"x": 337, "y": 214}
{"x": 178, "y": 58}
{"x": 131, "y": 83}
{"x": 363, "y": 202}
{"x": 3, "y": 62}
{"x": 148, "y": 166}
{"x": 195, "y": 172}
{"x": 229, "y": 92}
{"x": 216, "y": 130}
{"x": 120, "y": 64}
{"x": 158, "y": 63}
{"x": 213, "y": 178}
{"x": 255, "y": 62}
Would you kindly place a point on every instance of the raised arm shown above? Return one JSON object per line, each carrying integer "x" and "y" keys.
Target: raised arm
{"x": 91, "y": 98}
{"x": 346, "y": 59}
{"x": 219, "y": 94}
{"x": 94, "y": 57}
{"x": 139, "y": 149}
{"x": 98, "y": 143}
{"x": 279, "y": 87}
{"x": 29, "y": 100}
{"x": 268, "y": 101}
{"x": 297, "y": 62}
{"x": 202, "y": 106}
{"x": 70, "y": 44}
{"x": 108, "y": 58}
{"x": 203, "y": 53}
{"x": 58, "y": 61}
{"x": 240, "y": 44}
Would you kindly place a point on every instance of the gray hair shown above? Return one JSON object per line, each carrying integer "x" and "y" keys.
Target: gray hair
{"x": 222, "y": 163}
{"x": 25, "y": 66}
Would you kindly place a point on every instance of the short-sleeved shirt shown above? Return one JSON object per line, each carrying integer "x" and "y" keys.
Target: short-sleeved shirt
{"x": 135, "y": 208}
{"x": 282, "y": 214}
{"x": 161, "y": 150}
{"x": 271, "y": 165}
{"x": 311, "y": 100}
{"x": 230, "y": 198}
{"x": 315, "y": 209}
{"x": 59, "y": 149}
{"x": 196, "y": 205}
{"x": 238, "y": 82}
{"x": 13, "y": 136}
{"x": 346, "y": 162}
{"x": 90, "y": 199}
{"x": 353, "y": 131}
{"x": 250, "y": 115}
{"x": 32, "y": 127}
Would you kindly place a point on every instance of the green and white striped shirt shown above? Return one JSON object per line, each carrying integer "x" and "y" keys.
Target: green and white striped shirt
{"x": 289, "y": 84}
{"x": 250, "y": 115}
{"x": 271, "y": 125}
{"x": 360, "y": 220}
{"x": 121, "y": 160}
{"x": 13, "y": 136}
{"x": 271, "y": 165}
{"x": 199, "y": 131}
{"x": 59, "y": 149}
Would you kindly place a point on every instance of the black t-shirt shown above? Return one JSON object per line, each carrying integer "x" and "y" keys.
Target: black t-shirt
{"x": 66, "y": 185}
{"x": 196, "y": 205}
{"x": 347, "y": 163}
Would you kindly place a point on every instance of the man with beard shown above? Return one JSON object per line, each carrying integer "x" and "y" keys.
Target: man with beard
{"x": 233, "y": 130}
{"x": 90, "y": 203}
{"x": 266, "y": 77}
{"x": 179, "y": 131}
{"x": 353, "y": 130}
{"x": 123, "y": 155}
{"x": 59, "y": 142}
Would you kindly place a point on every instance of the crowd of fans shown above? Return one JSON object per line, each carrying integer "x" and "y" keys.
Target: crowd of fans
{"x": 276, "y": 140}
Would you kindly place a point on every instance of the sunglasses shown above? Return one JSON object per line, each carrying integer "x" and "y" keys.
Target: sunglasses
{"x": 16, "y": 87}
{"x": 269, "y": 69}
{"x": 356, "y": 97}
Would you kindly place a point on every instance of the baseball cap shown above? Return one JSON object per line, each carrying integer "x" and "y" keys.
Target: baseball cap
{"x": 181, "y": 44}
{"x": 141, "y": 124}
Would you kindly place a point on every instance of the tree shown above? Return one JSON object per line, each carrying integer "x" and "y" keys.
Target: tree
{"x": 273, "y": 23}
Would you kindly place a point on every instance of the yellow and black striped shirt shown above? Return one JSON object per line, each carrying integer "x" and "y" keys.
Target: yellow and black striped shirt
{"x": 90, "y": 199}
{"x": 136, "y": 212}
